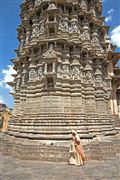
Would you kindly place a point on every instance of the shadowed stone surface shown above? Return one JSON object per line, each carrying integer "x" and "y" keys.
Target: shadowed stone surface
{"x": 11, "y": 168}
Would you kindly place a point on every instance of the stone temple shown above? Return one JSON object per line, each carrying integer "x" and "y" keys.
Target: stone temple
{"x": 64, "y": 78}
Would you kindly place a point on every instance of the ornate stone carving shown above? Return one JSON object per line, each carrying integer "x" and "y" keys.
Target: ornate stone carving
{"x": 62, "y": 88}
{"x": 35, "y": 31}
{"x": 52, "y": 6}
{"x": 92, "y": 11}
{"x": 89, "y": 78}
{"x": 22, "y": 42}
{"x": 40, "y": 72}
{"x": 66, "y": 73}
{"x": 86, "y": 33}
{"x": 18, "y": 83}
{"x": 59, "y": 72}
{"x": 95, "y": 39}
{"x": 28, "y": 37}
{"x": 32, "y": 75}
{"x": 38, "y": 2}
{"x": 83, "y": 5}
{"x": 63, "y": 25}
{"x": 42, "y": 28}
{"x": 74, "y": 27}
{"x": 75, "y": 73}
{"x": 98, "y": 80}
{"x": 50, "y": 53}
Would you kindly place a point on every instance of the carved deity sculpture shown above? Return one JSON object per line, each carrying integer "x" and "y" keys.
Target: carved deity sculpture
{"x": 98, "y": 80}
{"x": 89, "y": 78}
{"x": 35, "y": 31}
{"x": 63, "y": 25}
{"x": 92, "y": 11}
{"x": 66, "y": 72}
{"x": 75, "y": 73}
{"x": 40, "y": 72}
{"x": 73, "y": 27}
{"x": 42, "y": 28}
{"x": 32, "y": 75}
{"x": 59, "y": 72}
{"x": 95, "y": 40}
{"x": 86, "y": 35}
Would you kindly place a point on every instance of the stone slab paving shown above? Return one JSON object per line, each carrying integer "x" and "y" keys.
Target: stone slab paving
{"x": 14, "y": 169}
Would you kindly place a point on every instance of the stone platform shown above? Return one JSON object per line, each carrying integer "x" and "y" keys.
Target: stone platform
{"x": 98, "y": 148}
{"x": 11, "y": 168}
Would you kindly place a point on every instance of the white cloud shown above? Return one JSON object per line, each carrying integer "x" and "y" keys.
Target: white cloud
{"x": 7, "y": 76}
{"x": 115, "y": 36}
{"x": 110, "y": 11}
{"x": 1, "y": 99}
{"x": 110, "y": 15}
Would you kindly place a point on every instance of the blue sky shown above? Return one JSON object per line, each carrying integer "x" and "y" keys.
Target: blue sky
{"x": 9, "y": 21}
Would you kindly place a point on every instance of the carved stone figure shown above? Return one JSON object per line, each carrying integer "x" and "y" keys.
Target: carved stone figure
{"x": 74, "y": 27}
{"x": 66, "y": 73}
{"x": 75, "y": 73}
{"x": 63, "y": 25}
{"x": 59, "y": 72}
{"x": 42, "y": 28}
{"x": 40, "y": 72}
{"x": 32, "y": 75}
{"x": 35, "y": 31}
{"x": 98, "y": 81}
{"x": 28, "y": 37}
{"x": 95, "y": 40}
{"x": 86, "y": 35}
{"x": 89, "y": 78}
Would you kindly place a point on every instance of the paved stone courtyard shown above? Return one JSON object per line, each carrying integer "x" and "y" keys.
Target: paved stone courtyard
{"x": 14, "y": 169}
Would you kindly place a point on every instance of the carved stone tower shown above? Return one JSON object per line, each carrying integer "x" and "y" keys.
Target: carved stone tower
{"x": 63, "y": 79}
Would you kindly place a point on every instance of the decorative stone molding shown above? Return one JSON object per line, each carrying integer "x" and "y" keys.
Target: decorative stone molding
{"x": 50, "y": 54}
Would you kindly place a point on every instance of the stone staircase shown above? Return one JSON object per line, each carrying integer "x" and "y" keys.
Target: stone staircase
{"x": 59, "y": 126}
{"x": 99, "y": 148}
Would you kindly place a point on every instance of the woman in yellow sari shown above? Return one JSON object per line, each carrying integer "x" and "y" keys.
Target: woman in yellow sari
{"x": 77, "y": 155}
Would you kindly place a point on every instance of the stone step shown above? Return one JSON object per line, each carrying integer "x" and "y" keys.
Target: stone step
{"x": 27, "y": 148}
{"x": 59, "y": 123}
